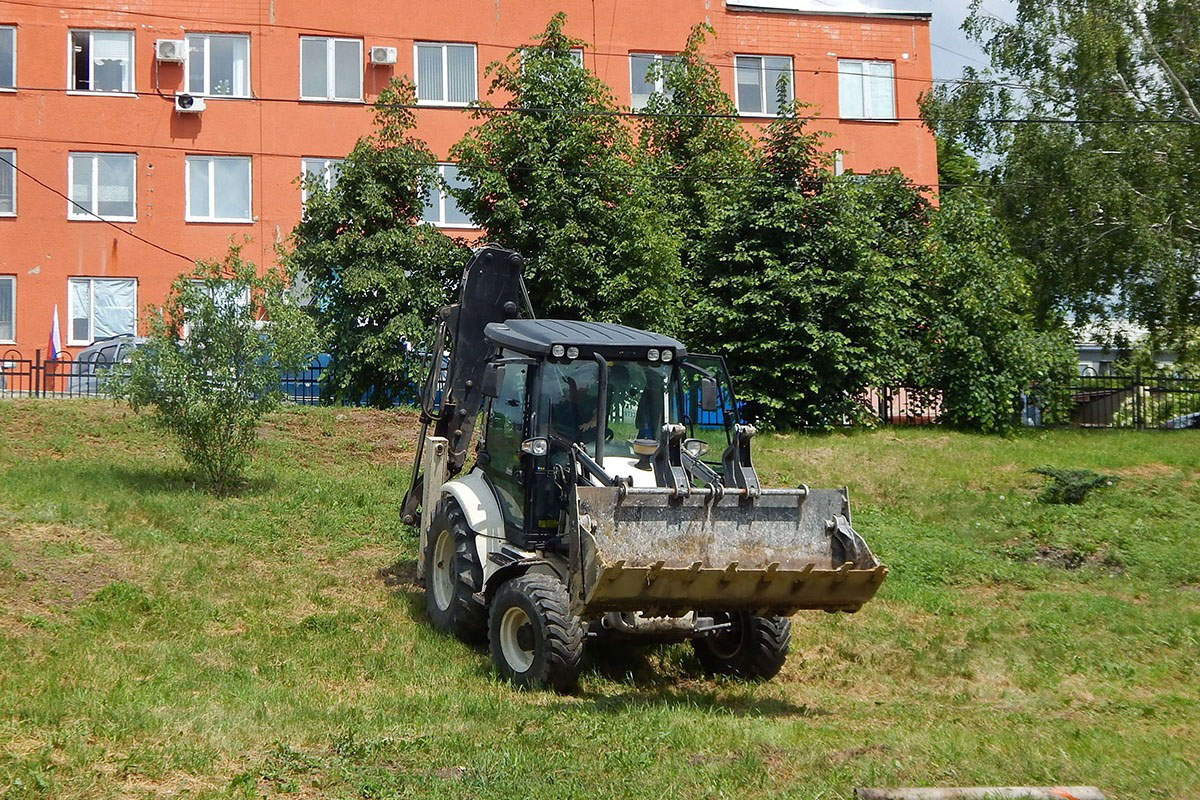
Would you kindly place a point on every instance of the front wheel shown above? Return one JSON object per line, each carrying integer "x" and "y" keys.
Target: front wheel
{"x": 752, "y": 647}
{"x": 453, "y": 575}
{"x": 535, "y": 640}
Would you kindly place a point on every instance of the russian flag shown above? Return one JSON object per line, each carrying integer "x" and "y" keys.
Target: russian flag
{"x": 54, "y": 347}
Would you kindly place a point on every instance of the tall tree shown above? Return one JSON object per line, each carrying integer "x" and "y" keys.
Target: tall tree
{"x": 376, "y": 274}
{"x": 1105, "y": 206}
{"x": 554, "y": 173}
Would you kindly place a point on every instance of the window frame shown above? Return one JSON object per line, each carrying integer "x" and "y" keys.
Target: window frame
{"x": 72, "y": 78}
{"x": 762, "y": 85}
{"x": 659, "y": 87}
{"x": 442, "y": 196}
{"x": 12, "y": 293}
{"x": 864, "y": 81}
{"x": 187, "y": 65}
{"x": 330, "y": 69}
{"x": 445, "y": 73}
{"x": 188, "y": 216}
{"x": 93, "y": 214}
{"x": 326, "y": 174}
{"x": 12, "y": 156}
{"x": 91, "y": 281}
{"x": 13, "y": 76}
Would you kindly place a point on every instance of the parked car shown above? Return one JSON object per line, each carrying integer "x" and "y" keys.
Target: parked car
{"x": 1183, "y": 421}
{"x": 84, "y": 372}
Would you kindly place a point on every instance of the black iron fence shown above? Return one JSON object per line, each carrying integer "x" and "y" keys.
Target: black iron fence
{"x": 1137, "y": 400}
{"x": 1131, "y": 400}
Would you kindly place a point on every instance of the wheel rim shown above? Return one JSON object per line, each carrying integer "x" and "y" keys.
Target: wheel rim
{"x": 727, "y": 643}
{"x": 443, "y": 570}
{"x": 516, "y": 631}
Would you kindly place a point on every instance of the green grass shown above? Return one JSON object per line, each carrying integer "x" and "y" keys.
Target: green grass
{"x": 156, "y": 641}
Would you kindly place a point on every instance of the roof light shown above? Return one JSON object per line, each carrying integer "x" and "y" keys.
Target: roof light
{"x": 558, "y": 351}
{"x": 668, "y": 355}
{"x": 652, "y": 354}
{"x": 572, "y": 352}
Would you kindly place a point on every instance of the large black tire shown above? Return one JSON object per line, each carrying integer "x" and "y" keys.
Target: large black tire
{"x": 754, "y": 648}
{"x": 453, "y": 575}
{"x": 535, "y": 640}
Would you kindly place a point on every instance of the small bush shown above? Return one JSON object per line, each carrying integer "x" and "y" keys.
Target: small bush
{"x": 211, "y": 366}
{"x": 1070, "y": 486}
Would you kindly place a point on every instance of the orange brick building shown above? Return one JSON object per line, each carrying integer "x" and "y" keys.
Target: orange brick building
{"x": 113, "y": 186}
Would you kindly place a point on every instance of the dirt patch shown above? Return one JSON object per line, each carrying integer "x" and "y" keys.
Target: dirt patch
{"x": 1152, "y": 470}
{"x": 402, "y": 574}
{"x": 855, "y": 753}
{"x": 1072, "y": 560}
{"x": 46, "y": 570}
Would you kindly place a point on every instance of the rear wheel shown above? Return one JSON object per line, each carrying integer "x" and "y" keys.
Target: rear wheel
{"x": 453, "y": 575}
{"x": 752, "y": 647}
{"x": 535, "y": 640}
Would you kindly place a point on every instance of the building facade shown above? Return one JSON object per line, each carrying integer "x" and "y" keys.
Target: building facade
{"x": 138, "y": 136}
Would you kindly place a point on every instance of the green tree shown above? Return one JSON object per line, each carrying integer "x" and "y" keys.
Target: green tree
{"x": 376, "y": 274}
{"x": 210, "y": 388}
{"x": 811, "y": 281}
{"x": 1107, "y": 209}
{"x": 555, "y": 174}
{"x": 980, "y": 347}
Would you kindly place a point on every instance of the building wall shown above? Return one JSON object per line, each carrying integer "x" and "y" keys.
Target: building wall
{"x": 44, "y": 123}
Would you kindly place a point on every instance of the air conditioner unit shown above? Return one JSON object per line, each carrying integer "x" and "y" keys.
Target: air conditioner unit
{"x": 383, "y": 55}
{"x": 171, "y": 50}
{"x": 188, "y": 103}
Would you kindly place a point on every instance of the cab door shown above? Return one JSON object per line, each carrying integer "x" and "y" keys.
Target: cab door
{"x": 504, "y": 433}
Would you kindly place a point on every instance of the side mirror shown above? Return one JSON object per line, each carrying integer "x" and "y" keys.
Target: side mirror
{"x": 696, "y": 448}
{"x": 493, "y": 379}
{"x": 708, "y": 395}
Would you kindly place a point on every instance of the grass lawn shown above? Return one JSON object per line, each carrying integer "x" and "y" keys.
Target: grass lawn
{"x": 156, "y": 641}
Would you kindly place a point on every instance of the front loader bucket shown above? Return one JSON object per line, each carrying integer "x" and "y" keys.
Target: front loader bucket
{"x": 785, "y": 550}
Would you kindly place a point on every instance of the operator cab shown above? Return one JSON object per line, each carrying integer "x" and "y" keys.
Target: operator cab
{"x": 609, "y": 389}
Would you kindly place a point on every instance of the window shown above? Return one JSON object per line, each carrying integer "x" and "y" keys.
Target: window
{"x": 324, "y": 171}
{"x": 8, "y": 307}
{"x": 218, "y": 189}
{"x": 330, "y": 69}
{"x": 218, "y": 65}
{"x": 100, "y": 308}
{"x": 576, "y": 55}
{"x": 103, "y": 185}
{"x": 101, "y": 61}
{"x": 223, "y": 295}
{"x": 8, "y": 57}
{"x": 445, "y": 74}
{"x": 8, "y": 183}
{"x": 866, "y": 90}
{"x": 642, "y": 85}
{"x": 443, "y": 210}
{"x": 757, "y": 84}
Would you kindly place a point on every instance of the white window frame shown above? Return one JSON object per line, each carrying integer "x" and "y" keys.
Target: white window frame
{"x": 187, "y": 67}
{"x": 864, "y": 85}
{"x": 326, "y": 171}
{"x": 91, "y": 281}
{"x": 71, "y": 77}
{"x": 242, "y": 301}
{"x": 13, "y": 76}
{"x": 93, "y": 213}
{"x": 188, "y": 216}
{"x": 330, "y": 71}
{"x": 762, "y": 83}
{"x": 445, "y": 73}
{"x": 659, "y": 83}
{"x": 10, "y": 155}
{"x": 11, "y": 280}
{"x": 439, "y": 194}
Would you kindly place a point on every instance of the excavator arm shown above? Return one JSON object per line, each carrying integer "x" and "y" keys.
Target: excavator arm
{"x": 492, "y": 290}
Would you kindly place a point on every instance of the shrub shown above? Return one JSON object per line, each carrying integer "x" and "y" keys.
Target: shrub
{"x": 1070, "y": 486}
{"x": 211, "y": 366}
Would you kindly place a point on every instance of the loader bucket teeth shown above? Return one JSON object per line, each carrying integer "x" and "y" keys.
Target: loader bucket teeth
{"x": 653, "y": 551}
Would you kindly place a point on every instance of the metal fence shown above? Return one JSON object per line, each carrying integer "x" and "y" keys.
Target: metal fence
{"x": 1135, "y": 400}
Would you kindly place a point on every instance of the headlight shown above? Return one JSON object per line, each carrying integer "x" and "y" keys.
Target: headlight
{"x": 558, "y": 351}
{"x": 668, "y": 355}
{"x": 572, "y": 352}
{"x": 535, "y": 447}
{"x": 652, "y": 354}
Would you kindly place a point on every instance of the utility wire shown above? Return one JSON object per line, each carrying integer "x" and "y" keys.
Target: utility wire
{"x": 91, "y": 213}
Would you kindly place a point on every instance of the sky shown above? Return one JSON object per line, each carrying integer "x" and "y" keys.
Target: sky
{"x": 952, "y": 50}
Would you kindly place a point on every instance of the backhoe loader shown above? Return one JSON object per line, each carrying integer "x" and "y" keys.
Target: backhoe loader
{"x": 612, "y": 496}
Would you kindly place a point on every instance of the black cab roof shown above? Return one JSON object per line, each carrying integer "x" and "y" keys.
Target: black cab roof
{"x": 611, "y": 341}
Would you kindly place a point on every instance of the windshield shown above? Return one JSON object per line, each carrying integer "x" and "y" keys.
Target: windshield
{"x": 636, "y": 402}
